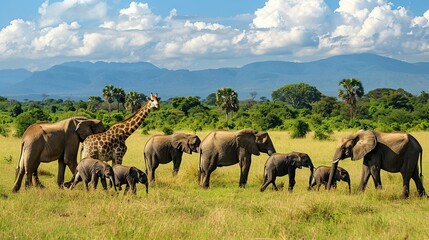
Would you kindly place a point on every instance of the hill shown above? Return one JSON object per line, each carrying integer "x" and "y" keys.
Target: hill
{"x": 79, "y": 80}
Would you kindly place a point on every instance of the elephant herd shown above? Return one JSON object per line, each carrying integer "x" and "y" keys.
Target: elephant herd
{"x": 46, "y": 142}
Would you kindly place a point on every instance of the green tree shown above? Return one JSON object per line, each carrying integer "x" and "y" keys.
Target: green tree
{"x": 94, "y": 103}
{"x": 298, "y": 95}
{"x": 325, "y": 106}
{"x": 119, "y": 96}
{"x": 351, "y": 92}
{"x": 210, "y": 99}
{"x": 133, "y": 101}
{"x": 227, "y": 99}
{"x": 108, "y": 95}
{"x": 185, "y": 104}
{"x": 16, "y": 109}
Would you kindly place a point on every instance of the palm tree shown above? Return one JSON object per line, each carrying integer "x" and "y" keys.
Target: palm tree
{"x": 119, "y": 95}
{"x": 352, "y": 91}
{"x": 133, "y": 101}
{"x": 108, "y": 95}
{"x": 227, "y": 99}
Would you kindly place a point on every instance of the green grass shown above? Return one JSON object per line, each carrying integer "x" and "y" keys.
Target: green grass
{"x": 176, "y": 208}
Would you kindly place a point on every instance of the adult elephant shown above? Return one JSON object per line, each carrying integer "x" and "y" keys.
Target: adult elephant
{"x": 223, "y": 148}
{"x": 46, "y": 142}
{"x": 393, "y": 152}
{"x": 162, "y": 149}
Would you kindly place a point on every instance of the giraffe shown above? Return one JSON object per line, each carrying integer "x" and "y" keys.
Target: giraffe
{"x": 110, "y": 145}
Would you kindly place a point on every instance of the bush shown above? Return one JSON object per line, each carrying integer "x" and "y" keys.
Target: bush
{"x": 4, "y": 131}
{"x": 322, "y": 133}
{"x": 167, "y": 131}
{"x": 300, "y": 129}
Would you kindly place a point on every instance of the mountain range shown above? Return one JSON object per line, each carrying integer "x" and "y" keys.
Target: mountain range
{"x": 79, "y": 80}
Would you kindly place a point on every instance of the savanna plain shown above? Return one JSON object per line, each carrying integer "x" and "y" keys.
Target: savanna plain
{"x": 177, "y": 208}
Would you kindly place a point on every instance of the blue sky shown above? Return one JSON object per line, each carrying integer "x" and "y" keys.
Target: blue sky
{"x": 208, "y": 34}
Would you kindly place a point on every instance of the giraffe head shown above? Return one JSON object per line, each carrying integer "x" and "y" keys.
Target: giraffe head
{"x": 153, "y": 101}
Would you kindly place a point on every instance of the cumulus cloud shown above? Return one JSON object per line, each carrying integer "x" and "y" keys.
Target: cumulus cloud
{"x": 137, "y": 16}
{"x": 71, "y": 10}
{"x": 291, "y": 28}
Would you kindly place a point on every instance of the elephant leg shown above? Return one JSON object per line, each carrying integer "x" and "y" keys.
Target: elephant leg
{"x": 151, "y": 171}
{"x": 77, "y": 179}
{"x": 418, "y": 182}
{"x": 292, "y": 181}
{"x": 206, "y": 179}
{"x": 103, "y": 183}
{"x": 365, "y": 176}
{"x": 405, "y": 185}
{"x": 244, "y": 173}
{"x": 36, "y": 180}
{"x": 176, "y": 166}
{"x": 94, "y": 181}
{"x": 375, "y": 174}
{"x": 18, "y": 181}
{"x": 207, "y": 166}
{"x": 29, "y": 174}
{"x": 72, "y": 166}
{"x": 86, "y": 185}
{"x": 61, "y": 171}
{"x": 127, "y": 187}
{"x": 265, "y": 183}
{"x": 134, "y": 188}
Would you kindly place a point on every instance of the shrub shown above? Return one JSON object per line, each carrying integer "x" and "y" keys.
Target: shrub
{"x": 322, "y": 133}
{"x": 300, "y": 129}
{"x": 167, "y": 131}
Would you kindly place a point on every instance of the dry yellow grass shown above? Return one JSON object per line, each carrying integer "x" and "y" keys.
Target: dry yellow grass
{"x": 176, "y": 208}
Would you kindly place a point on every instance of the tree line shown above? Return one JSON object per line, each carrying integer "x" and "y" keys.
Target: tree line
{"x": 297, "y": 107}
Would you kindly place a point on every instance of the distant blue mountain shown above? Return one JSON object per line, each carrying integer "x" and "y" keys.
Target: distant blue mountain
{"x": 79, "y": 80}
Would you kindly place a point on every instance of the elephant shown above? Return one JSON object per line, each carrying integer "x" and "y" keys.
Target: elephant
{"x": 46, "y": 142}
{"x": 279, "y": 164}
{"x": 392, "y": 152}
{"x": 129, "y": 176}
{"x": 321, "y": 176}
{"x": 90, "y": 169}
{"x": 224, "y": 148}
{"x": 162, "y": 149}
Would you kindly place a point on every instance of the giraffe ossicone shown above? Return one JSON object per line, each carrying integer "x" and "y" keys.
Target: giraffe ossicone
{"x": 110, "y": 145}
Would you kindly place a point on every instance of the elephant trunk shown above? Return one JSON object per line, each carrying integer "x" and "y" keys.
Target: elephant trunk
{"x": 311, "y": 176}
{"x": 112, "y": 180}
{"x": 332, "y": 173}
{"x": 350, "y": 189}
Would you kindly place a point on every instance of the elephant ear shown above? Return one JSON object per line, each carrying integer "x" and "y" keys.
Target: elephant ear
{"x": 365, "y": 142}
{"x": 181, "y": 142}
{"x": 247, "y": 140}
{"x": 84, "y": 128}
{"x": 294, "y": 160}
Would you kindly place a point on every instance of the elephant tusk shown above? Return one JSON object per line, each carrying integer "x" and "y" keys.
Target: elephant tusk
{"x": 335, "y": 161}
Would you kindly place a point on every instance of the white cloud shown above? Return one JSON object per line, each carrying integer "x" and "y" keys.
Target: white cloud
{"x": 291, "y": 13}
{"x": 291, "y": 28}
{"x": 137, "y": 16}
{"x": 71, "y": 10}
{"x": 15, "y": 39}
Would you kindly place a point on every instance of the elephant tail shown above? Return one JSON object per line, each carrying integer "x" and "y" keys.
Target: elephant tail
{"x": 199, "y": 168}
{"x": 421, "y": 166}
{"x": 145, "y": 162}
{"x": 20, "y": 162}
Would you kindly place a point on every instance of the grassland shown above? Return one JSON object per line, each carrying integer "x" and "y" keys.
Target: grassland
{"x": 176, "y": 208}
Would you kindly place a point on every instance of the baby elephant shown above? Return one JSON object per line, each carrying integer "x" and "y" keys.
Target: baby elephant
{"x": 90, "y": 169}
{"x": 281, "y": 164}
{"x": 321, "y": 176}
{"x": 129, "y": 176}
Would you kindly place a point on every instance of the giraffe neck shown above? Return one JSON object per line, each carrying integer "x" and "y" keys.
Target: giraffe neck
{"x": 126, "y": 127}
